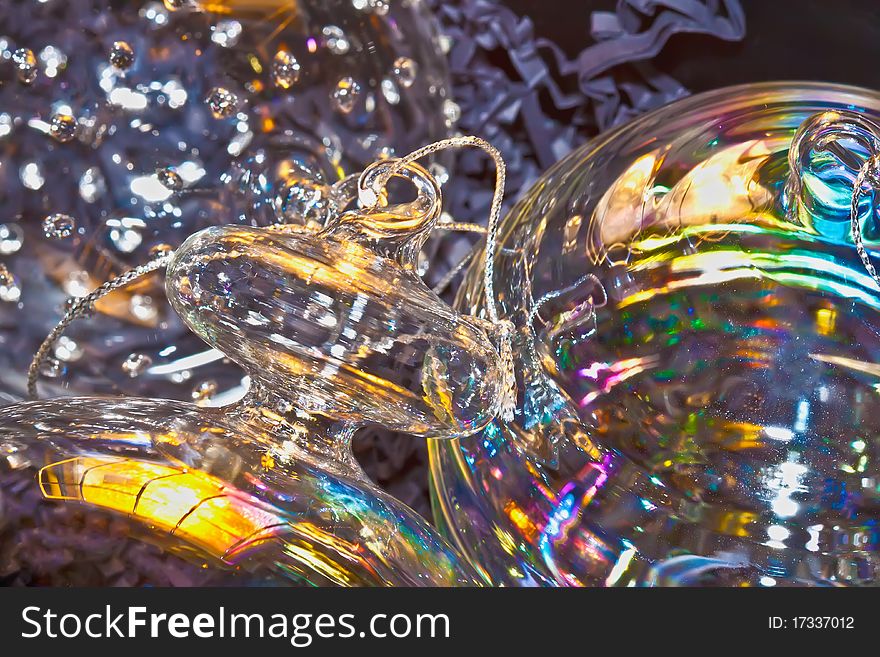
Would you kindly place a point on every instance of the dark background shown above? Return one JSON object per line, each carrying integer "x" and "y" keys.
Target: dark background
{"x": 822, "y": 40}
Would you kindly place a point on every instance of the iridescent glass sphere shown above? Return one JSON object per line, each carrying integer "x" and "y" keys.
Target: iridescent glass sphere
{"x": 699, "y": 356}
{"x": 127, "y": 126}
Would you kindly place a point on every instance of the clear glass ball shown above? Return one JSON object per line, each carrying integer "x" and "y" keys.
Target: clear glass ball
{"x": 139, "y": 123}
{"x": 698, "y": 355}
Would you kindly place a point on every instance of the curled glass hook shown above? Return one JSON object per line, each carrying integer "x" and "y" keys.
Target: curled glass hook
{"x": 868, "y": 176}
{"x": 824, "y": 159}
{"x": 834, "y": 147}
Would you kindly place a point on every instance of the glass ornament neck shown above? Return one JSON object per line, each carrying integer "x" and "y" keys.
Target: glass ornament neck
{"x": 397, "y": 231}
{"x": 825, "y": 157}
{"x": 828, "y": 149}
{"x": 296, "y": 433}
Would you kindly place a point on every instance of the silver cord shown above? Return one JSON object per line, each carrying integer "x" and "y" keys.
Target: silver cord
{"x": 461, "y": 227}
{"x": 870, "y": 169}
{"x": 449, "y": 276}
{"x": 502, "y": 328}
{"x": 491, "y": 229}
{"x": 81, "y": 306}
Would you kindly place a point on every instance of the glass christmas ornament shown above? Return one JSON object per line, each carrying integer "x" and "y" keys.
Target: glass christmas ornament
{"x": 338, "y": 322}
{"x": 335, "y": 330}
{"x": 698, "y": 355}
{"x": 125, "y": 127}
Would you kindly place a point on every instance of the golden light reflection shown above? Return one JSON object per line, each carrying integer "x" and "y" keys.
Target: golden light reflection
{"x": 826, "y": 319}
{"x": 521, "y": 520}
{"x": 722, "y": 189}
{"x": 618, "y": 214}
{"x": 720, "y": 266}
{"x": 189, "y": 504}
{"x": 312, "y": 545}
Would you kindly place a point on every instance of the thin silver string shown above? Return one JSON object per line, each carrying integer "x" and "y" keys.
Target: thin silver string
{"x": 502, "y": 329}
{"x": 449, "y": 276}
{"x": 461, "y": 227}
{"x": 494, "y": 210}
{"x": 81, "y": 306}
{"x": 870, "y": 169}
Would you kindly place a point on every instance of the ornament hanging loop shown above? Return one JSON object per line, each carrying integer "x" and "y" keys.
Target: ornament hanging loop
{"x": 853, "y": 141}
{"x": 371, "y": 191}
{"x": 867, "y": 178}
{"x": 397, "y": 231}
{"x": 374, "y": 198}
